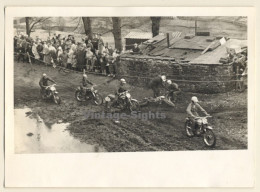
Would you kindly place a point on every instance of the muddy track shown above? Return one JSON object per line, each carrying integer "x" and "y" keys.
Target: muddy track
{"x": 229, "y": 115}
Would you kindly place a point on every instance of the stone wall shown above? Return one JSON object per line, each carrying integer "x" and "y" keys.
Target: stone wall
{"x": 136, "y": 69}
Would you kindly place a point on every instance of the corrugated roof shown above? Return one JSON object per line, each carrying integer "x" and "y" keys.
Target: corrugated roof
{"x": 213, "y": 57}
{"x": 139, "y": 35}
{"x": 196, "y": 43}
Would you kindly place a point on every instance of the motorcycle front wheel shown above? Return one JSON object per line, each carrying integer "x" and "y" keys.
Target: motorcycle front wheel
{"x": 209, "y": 138}
{"x": 98, "y": 100}
{"x": 56, "y": 99}
{"x": 79, "y": 96}
{"x": 189, "y": 129}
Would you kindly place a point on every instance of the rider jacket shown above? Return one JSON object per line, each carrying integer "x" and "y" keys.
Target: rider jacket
{"x": 173, "y": 87}
{"x": 156, "y": 82}
{"x": 192, "y": 110}
{"x": 121, "y": 89}
{"x": 44, "y": 81}
{"x": 85, "y": 82}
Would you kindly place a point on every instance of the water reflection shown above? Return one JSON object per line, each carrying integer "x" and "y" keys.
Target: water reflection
{"x": 33, "y": 136}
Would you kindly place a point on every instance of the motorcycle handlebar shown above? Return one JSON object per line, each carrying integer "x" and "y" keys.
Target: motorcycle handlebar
{"x": 50, "y": 85}
{"x": 208, "y": 116}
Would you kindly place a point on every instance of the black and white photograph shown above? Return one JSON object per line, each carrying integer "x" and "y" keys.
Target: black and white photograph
{"x": 129, "y": 97}
{"x": 130, "y": 84}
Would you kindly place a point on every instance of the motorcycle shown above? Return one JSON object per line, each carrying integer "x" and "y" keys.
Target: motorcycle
{"x": 203, "y": 129}
{"x": 86, "y": 94}
{"x": 125, "y": 101}
{"x": 51, "y": 93}
{"x": 158, "y": 100}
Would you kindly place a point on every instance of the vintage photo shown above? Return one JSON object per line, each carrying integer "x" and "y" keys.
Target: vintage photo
{"x": 130, "y": 84}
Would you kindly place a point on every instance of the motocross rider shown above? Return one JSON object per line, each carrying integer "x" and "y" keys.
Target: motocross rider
{"x": 173, "y": 89}
{"x": 122, "y": 88}
{"x": 44, "y": 83}
{"x": 192, "y": 111}
{"x": 85, "y": 83}
{"x": 156, "y": 83}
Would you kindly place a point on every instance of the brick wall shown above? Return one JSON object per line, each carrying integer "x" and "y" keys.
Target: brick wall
{"x": 139, "y": 67}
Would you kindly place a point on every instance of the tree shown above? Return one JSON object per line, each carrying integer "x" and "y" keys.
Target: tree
{"x": 87, "y": 26}
{"x": 117, "y": 32}
{"x": 31, "y": 22}
{"x": 48, "y": 25}
{"x": 155, "y": 25}
{"x": 61, "y": 24}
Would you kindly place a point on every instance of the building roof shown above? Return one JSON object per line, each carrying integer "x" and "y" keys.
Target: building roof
{"x": 195, "y": 50}
{"x": 139, "y": 35}
{"x": 213, "y": 57}
{"x": 196, "y": 43}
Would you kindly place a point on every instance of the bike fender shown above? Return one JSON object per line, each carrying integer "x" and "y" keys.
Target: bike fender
{"x": 134, "y": 100}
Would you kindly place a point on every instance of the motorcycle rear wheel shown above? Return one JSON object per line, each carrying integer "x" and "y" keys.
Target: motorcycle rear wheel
{"x": 78, "y": 95}
{"x": 189, "y": 129}
{"x": 209, "y": 138}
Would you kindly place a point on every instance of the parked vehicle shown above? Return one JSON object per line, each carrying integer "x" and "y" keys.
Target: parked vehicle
{"x": 87, "y": 94}
{"x": 204, "y": 130}
{"x": 125, "y": 101}
{"x": 51, "y": 93}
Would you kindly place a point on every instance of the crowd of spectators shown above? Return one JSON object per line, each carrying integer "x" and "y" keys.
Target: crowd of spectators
{"x": 87, "y": 54}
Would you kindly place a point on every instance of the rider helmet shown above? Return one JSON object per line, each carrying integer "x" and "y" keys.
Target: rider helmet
{"x": 44, "y": 75}
{"x": 194, "y": 99}
{"x": 169, "y": 82}
{"x": 122, "y": 81}
{"x": 163, "y": 77}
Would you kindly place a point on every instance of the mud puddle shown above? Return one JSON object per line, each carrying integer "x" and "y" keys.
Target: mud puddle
{"x": 32, "y": 135}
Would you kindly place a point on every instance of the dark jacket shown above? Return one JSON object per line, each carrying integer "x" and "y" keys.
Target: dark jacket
{"x": 122, "y": 88}
{"x": 81, "y": 60}
{"x": 136, "y": 50}
{"x": 44, "y": 81}
{"x": 85, "y": 82}
{"x": 173, "y": 87}
{"x": 39, "y": 48}
{"x": 156, "y": 82}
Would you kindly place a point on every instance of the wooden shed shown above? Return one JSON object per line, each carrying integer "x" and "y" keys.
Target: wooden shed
{"x": 136, "y": 37}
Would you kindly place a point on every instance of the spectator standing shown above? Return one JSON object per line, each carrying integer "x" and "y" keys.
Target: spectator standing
{"x": 89, "y": 44}
{"x": 100, "y": 43}
{"x": 64, "y": 58}
{"x": 34, "y": 51}
{"x": 70, "y": 58}
{"x": 110, "y": 50}
{"x": 30, "y": 55}
{"x": 80, "y": 57}
{"x": 53, "y": 54}
{"x": 103, "y": 63}
{"x": 89, "y": 59}
{"x": 40, "y": 49}
{"x": 46, "y": 53}
{"x": 59, "y": 52}
{"x": 95, "y": 42}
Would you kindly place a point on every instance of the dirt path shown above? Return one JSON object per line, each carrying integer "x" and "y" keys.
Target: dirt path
{"x": 229, "y": 115}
